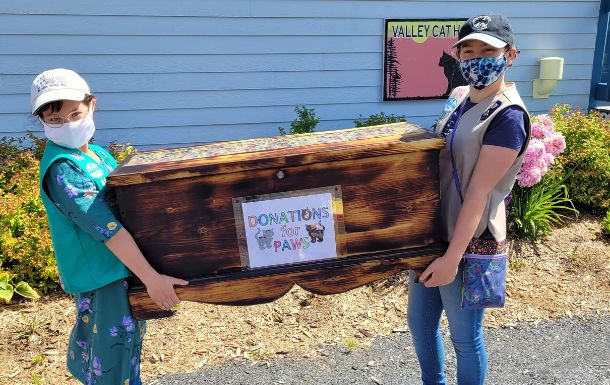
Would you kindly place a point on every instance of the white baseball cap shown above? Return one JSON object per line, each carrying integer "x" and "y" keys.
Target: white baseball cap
{"x": 57, "y": 84}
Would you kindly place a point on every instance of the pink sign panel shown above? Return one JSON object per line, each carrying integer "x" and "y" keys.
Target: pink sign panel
{"x": 418, "y": 58}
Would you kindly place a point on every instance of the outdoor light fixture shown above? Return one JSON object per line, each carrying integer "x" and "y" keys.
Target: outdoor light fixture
{"x": 551, "y": 70}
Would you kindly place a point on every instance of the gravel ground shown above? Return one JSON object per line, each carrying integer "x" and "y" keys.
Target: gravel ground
{"x": 564, "y": 351}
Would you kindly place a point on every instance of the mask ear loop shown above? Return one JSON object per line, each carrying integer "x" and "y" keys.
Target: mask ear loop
{"x": 90, "y": 110}
{"x": 513, "y": 58}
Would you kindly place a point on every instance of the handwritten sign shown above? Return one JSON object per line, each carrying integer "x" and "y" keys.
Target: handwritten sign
{"x": 293, "y": 227}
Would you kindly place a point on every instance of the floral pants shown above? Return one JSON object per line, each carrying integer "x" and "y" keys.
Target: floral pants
{"x": 106, "y": 343}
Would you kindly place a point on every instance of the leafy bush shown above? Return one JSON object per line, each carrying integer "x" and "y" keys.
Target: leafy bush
{"x": 376, "y": 120}
{"x": 305, "y": 123}
{"x": 587, "y": 157}
{"x": 120, "y": 151}
{"x": 36, "y": 145}
{"x": 26, "y": 251}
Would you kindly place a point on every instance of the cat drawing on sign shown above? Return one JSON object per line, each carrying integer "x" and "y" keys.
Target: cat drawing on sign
{"x": 264, "y": 241}
{"x": 451, "y": 67}
{"x": 316, "y": 233}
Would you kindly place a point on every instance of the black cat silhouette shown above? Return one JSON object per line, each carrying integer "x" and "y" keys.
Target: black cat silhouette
{"x": 451, "y": 67}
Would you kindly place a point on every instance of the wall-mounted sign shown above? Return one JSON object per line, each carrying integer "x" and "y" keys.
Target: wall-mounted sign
{"x": 417, "y": 58}
{"x": 290, "y": 227}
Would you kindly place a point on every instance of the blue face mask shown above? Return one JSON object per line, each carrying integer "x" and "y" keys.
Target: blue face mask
{"x": 481, "y": 72}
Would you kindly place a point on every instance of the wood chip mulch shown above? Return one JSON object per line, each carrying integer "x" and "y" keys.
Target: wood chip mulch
{"x": 567, "y": 274}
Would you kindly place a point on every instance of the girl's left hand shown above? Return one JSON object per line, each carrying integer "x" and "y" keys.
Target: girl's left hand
{"x": 442, "y": 271}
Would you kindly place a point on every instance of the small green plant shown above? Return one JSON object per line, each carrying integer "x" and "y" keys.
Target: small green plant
{"x": 378, "y": 119}
{"x": 32, "y": 327}
{"x": 8, "y": 288}
{"x": 258, "y": 355}
{"x": 36, "y": 379}
{"x": 517, "y": 263}
{"x": 534, "y": 209}
{"x": 38, "y": 359}
{"x": 606, "y": 224}
{"x": 305, "y": 123}
{"x": 351, "y": 344}
{"x": 575, "y": 256}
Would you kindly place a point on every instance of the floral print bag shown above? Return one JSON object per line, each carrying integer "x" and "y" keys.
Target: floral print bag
{"x": 484, "y": 281}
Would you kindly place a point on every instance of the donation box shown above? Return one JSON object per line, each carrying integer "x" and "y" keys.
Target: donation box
{"x": 244, "y": 221}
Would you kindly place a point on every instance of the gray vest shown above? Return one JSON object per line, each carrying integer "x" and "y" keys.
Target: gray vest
{"x": 466, "y": 148}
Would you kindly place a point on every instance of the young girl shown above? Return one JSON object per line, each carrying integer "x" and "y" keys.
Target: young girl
{"x": 486, "y": 127}
{"x": 94, "y": 252}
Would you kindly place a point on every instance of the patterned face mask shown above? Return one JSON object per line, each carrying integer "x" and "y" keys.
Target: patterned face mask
{"x": 481, "y": 72}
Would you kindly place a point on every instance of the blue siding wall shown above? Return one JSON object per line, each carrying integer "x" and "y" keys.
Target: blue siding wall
{"x": 176, "y": 73}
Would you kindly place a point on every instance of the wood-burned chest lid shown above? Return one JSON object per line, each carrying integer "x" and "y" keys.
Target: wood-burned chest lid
{"x": 180, "y": 203}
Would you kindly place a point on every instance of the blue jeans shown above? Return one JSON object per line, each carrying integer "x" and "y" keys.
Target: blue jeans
{"x": 466, "y": 327}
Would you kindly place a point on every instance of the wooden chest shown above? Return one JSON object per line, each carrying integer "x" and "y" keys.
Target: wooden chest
{"x": 244, "y": 221}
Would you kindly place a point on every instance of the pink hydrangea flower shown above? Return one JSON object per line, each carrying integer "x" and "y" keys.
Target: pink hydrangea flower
{"x": 529, "y": 177}
{"x": 537, "y": 130}
{"x": 542, "y": 165}
{"x": 544, "y": 146}
{"x": 535, "y": 150}
{"x": 549, "y": 158}
{"x": 546, "y": 121}
{"x": 555, "y": 143}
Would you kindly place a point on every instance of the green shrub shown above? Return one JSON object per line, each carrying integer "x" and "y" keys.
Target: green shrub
{"x": 305, "y": 123}
{"x": 37, "y": 145}
{"x": 534, "y": 209}
{"x": 376, "y": 120}
{"x": 120, "y": 151}
{"x": 587, "y": 156}
{"x": 26, "y": 251}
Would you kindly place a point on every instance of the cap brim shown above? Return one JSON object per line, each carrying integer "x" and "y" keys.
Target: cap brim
{"x": 485, "y": 38}
{"x": 51, "y": 96}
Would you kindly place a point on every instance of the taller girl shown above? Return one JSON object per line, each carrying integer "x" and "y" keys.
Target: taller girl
{"x": 486, "y": 126}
